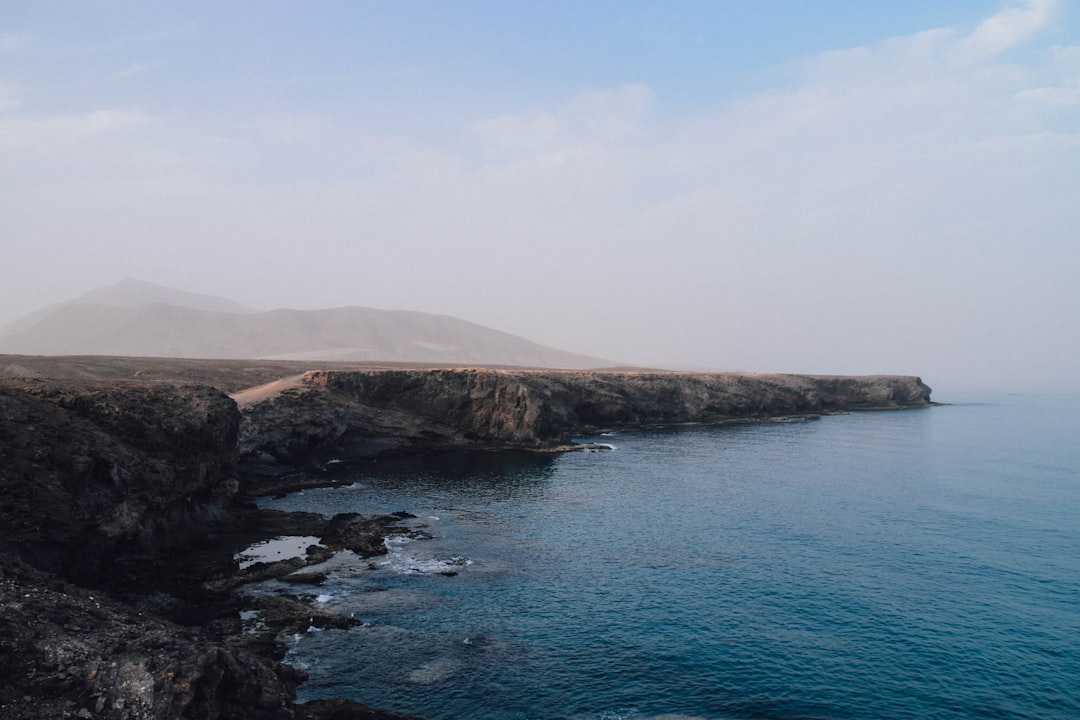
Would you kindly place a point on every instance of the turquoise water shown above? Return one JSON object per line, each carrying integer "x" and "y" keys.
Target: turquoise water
{"x": 915, "y": 564}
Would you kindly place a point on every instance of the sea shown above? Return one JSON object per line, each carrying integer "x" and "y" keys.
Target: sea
{"x": 910, "y": 565}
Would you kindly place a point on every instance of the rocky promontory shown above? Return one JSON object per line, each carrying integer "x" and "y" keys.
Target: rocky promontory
{"x": 358, "y": 413}
{"x": 122, "y": 505}
{"x": 121, "y": 518}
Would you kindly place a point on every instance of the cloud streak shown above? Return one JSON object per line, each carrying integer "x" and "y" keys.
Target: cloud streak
{"x": 1010, "y": 27}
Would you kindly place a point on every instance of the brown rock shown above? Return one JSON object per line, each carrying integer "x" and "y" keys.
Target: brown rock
{"x": 354, "y": 414}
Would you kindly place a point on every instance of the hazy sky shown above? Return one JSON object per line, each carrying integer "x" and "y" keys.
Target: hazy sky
{"x": 820, "y": 186}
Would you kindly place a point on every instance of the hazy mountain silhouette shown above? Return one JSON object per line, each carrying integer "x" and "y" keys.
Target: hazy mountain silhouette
{"x": 131, "y": 293}
{"x": 141, "y": 319}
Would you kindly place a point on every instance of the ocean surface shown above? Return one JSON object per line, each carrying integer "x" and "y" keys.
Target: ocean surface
{"x": 920, "y": 564}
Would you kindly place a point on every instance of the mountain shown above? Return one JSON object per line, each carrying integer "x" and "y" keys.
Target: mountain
{"x": 140, "y": 319}
{"x": 131, "y": 293}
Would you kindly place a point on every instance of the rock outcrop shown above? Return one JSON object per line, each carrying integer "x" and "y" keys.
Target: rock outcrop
{"x": 120, "y": 512}
{"x": 354, "y": 414}
{"x": 118, "y": 504}
{"x": 66, "y": 651}
{"x": 90, "y": 468}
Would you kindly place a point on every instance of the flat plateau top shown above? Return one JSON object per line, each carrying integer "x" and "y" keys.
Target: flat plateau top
{"x": 230, "y": 376}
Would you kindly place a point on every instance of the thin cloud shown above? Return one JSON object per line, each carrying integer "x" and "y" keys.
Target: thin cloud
{"x": 1011, "y": 27}
{"x": 30, "y": 134}
{"x": 916, "y": 164}
{"x": 599, "y": 116}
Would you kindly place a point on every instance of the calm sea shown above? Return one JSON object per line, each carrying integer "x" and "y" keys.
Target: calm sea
{"x": 916, "y": 564}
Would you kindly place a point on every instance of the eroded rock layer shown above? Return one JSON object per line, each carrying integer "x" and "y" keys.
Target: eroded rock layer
{"x": 360, "y": 413}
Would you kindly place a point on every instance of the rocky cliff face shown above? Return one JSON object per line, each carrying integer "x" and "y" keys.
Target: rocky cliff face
{"x": 87, "y": 468}
{"x": 360, "y": 413}
{"x": 104, "y": 487}
{"x": 101, "y": 481}
{"x": 89, "y": 473}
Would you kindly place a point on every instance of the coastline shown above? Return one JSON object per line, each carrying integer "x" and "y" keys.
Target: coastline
{"x": 127, "y": 507}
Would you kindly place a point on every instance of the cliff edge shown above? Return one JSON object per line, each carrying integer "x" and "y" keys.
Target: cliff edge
{"x": 352, "y": 414}
{"x": 120, "y": 507}
{"x": 90, "y": 468}
{"x": 105, "y": 490}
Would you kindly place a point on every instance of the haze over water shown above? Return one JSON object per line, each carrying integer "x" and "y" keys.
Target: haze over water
{"x": 913, "y": 564}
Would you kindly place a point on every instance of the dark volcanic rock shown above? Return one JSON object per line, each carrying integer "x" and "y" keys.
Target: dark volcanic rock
{"x": 304, "y": 578}
{"x": 69, "y": 652}
{"x": 126, "y": 490}
{"x": 363, "y": 534}
{"x": 88, "y": 469}
{"x": 354, "y": 414}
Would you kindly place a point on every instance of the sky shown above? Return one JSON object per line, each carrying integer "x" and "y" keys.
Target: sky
{"x": 822, "y": 186}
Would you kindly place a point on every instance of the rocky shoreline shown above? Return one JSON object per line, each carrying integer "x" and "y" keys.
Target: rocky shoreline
{"x": 124, "y": 505}
{"x": 348, "y": 414}
{"x": 123, "y": 511}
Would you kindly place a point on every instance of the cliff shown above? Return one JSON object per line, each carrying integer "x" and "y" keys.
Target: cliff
{"x": 352, "y": 414}
{"x": 89, "y": 471}
{"x": 118, "y": 503}
{"x": 90, "y": 468}
{"x": 121, "y": 515}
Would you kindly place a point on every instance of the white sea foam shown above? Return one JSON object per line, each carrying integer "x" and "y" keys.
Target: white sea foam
{"x": 405, "y": 564}
{"x": 434, "y": 671}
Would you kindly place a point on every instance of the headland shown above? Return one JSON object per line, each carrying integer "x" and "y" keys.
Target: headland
{"x": 124, "y": 498}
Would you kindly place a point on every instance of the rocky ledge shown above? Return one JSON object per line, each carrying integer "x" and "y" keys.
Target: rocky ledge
{"x": 122, "y": 509}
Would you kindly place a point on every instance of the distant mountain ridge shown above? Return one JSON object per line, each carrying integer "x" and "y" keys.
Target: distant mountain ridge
{"x": 144, "y": 320}
{"x": 130, "y": 293}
